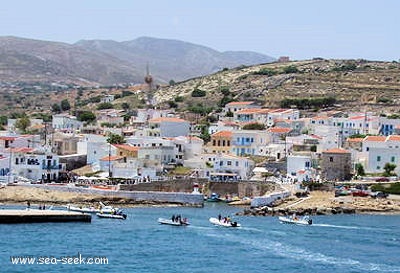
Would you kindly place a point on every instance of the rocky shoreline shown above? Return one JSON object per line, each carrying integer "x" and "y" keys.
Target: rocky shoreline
{"x": 325, "y": 203}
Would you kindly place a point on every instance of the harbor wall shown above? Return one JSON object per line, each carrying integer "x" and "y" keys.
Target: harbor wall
{"x": 268, "y": 199}
{"x": 183, "y": 198}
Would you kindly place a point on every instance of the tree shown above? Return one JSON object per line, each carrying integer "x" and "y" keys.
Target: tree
{"x": 86, "y": 116}
{"x": 65, "y": 106}
{"x": 172, "y": 82}
{"x": 198, "y": 93}
{"x": 389, "y": 168}
{"x": 125, "y": 106}
{"x": 290, "y": 69}
{"x": 105, "y": 105}
{"x": 254, "y": 126}
{"x": 115, "y": 139}
{"x": 22, "y": 124}
{"x": 55, "y": 108}
{"x": 360, "y": 169}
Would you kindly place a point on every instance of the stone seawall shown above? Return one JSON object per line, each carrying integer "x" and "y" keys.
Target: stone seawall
{"x": 182, "y": 198}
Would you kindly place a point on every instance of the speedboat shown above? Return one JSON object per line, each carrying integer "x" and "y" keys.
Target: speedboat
{"x": 83, "y": 209}
{"x": 119, "y": 215}
{"x": 214, "y": 198}
{"x": 305, "y": 220}
{"x": 223, "y": 222}
{"x": 164, "y": 221}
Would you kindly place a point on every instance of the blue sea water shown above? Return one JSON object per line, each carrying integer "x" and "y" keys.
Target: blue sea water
{"x": 339, "y": 243}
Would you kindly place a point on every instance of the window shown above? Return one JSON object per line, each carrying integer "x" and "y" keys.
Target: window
{"x": 330, "y": 159}
{"x": 367, "y": 149}
{"x": 307, "y": 165}
{"x": 392, "y": 159}
{"x": 229, "y": 163}
{"x": 378, "y": 158}
{"x": 237, "y": 163}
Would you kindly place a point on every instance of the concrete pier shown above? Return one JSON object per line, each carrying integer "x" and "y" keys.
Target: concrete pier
{"x": 41, "y": 216}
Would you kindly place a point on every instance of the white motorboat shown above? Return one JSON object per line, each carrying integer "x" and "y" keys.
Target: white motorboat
{"x": 223, "y": 222}
{"x": 83, "y": 209}
{"x": 101, "y": 209}
{"x": 121, "y": 216}
{"x": 164, "y": 221}
{"x": 305, "y": 220}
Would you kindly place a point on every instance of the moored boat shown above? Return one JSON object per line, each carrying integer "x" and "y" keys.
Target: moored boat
{"x": 305, "y": 220}
{"x": 121, "y": 216}
{"x": 82, "y": 209}
{"x": 183, "y": 222}
{"x": 223, "y": 222}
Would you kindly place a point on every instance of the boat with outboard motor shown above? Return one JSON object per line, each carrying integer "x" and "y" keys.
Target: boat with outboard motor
{"x": 82, "y": 209}
{"x": 225, "y": 222}
{"x": 121, "y": 216}
{"x": 102, "y": 208}
{"x": 178, "y": 222}
{"x": 305, "y": 220}
{"x": 115, "y": 214}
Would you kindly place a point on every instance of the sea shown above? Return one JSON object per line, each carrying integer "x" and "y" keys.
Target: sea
{"x": 335, "y": 243}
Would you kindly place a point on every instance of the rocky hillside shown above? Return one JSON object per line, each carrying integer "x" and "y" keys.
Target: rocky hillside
{"x": 101, "y": 62}
{"x": 355, "y": 84}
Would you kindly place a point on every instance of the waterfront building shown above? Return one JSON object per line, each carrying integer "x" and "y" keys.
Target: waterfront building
{"x": 336, "y": 165}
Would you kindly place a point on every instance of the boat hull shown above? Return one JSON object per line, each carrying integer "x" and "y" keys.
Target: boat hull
{"x": 304, "y": 222}
{"x": 111, "y": 216}
{"x": 164, "y": 221}
{"x": 217, "y": 222}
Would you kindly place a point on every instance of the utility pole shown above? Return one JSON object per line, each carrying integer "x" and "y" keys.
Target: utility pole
{"x": 109, "y": 161}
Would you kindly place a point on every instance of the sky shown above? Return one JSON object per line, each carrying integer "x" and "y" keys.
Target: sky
{"x": 300, "y": 29}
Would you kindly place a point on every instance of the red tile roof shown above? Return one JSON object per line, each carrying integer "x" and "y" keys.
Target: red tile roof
{"x": 111, "y": 158}
{"x": 126, "y": 147}
{"x": 393, "y": 138}
{"x": 240, "y": 103}
{"x": 21, "y": 150}
{"x": 357, "y": 139}
{"x": 222, "y": 134}
{"x": 279, "y": 130}
{"x": 336, "y": 151}
{"x": 7, "y": 138}
{"x": 375, "y": 138}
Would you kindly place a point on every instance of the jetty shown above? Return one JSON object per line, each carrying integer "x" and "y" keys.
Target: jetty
{"x": 41, "y": 216}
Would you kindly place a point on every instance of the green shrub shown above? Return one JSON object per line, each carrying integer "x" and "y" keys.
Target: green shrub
{"x": 266, "y": 71}
{"x": 198, "y": 93}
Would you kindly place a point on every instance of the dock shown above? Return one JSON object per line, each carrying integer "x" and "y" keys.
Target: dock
{"x": 41, "y": 216}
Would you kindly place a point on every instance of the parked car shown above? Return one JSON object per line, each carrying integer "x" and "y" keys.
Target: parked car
{"x": 382, "y": 179}
{"x": 379, "y": 194}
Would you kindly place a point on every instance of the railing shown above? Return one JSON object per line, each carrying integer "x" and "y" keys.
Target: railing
{"x": 51, "y": 167}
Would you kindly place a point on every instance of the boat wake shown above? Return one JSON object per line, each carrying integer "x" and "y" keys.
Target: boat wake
{"x": 301, "y": 254}
{"x": 351, "y": 227}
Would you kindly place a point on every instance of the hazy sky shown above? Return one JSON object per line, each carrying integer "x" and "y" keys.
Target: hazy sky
{"x": 301, "y": 29}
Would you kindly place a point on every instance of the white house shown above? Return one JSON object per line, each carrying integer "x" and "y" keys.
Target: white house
{"x": 299, "y": 167}
{"x": 228, "y": 168}
{"x": 382, "y": 150}
{"x": 235, "y": 106}
{"x": 35, "y": 164}
{"x": 249, "y": 142}
{"x": 169, "y": 127}
{"x": 66, "y": 122}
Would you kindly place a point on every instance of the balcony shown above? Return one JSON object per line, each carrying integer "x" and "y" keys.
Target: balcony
{"x": 51, "y": 167}
{"x": 243, "y": 143}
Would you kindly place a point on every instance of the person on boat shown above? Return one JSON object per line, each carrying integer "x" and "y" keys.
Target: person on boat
{"x": 219, "y": 217}
{"x": 28, "y": 205}
{"x": 184, "y": 220}
{"x": 173, "y": 218}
